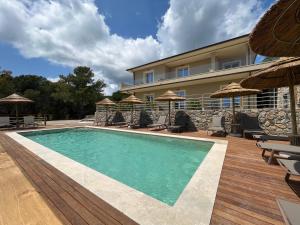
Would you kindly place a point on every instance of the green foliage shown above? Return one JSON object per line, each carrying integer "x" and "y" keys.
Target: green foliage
{"x": 118, "y": 96}
{"x": 72, "y": 96}
{"x": 194, "y": 105}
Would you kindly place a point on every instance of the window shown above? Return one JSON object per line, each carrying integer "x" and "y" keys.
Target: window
{"x": 149, "y": 97}
{"x": 231, "y": 64}
{"x": 149, "y": 77}
{"x": 180, "y": 104}
{"x": 183, "y": 71}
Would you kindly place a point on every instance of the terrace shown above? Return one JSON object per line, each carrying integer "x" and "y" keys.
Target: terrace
{"x": 195, "y": 74}
{"x": 247, "y": 191}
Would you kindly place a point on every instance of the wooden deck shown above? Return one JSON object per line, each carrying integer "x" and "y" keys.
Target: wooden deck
{"x": 246, "y": 194}
{"x": 20, "y": 203}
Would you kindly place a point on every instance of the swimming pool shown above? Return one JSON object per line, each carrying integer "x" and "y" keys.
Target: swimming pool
{"x": 160, "y": 167}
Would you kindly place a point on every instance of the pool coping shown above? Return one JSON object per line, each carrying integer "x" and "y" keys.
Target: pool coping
{"x": 194, "y": 205}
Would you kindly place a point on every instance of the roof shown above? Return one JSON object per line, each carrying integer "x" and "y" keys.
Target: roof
{"x": 161, "y": 61}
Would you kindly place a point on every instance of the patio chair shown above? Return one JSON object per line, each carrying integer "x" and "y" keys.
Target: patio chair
{"x": 250, "y": 126}
{"x": 264, "y": 138}
{"x": 217, "y": 125}
{"x": 281, "y": 150}
{"x": 290, "y": 211}
{"x": 29, "y": 121}
{"x": 4, "y": 121}
{"x": 291, "y": 166}
{"x": 160, "y": 124}
{"x": 181, "y": 123}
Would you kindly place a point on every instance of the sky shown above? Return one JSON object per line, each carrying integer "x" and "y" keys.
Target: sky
{"x": 51, "y": 37}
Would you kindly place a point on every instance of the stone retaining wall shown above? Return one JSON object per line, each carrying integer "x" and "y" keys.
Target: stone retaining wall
{"x": 272, "y": 121}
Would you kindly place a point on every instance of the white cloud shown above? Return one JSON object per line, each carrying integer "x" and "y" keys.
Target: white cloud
{"x": 74, "y": 32}
{"x": 192, "y": 24}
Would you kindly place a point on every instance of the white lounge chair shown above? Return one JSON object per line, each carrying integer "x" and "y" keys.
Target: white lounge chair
{"x": 4, "y": 121}
{"x": 217, "y": 125}
{"x": 29, "y": 121}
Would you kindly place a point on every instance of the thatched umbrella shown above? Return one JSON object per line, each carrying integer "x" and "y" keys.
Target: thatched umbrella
{"x": 169, "y": 96}
{"x": 278, "y": 31}
{"x": 284, "y": 72}
{"x": 107, "y": 103}
{"x": 231, "y": 91}
{"x": 16, "y": 100}
{"x": 132, "y": 100}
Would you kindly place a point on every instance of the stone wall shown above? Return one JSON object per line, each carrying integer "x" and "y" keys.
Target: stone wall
{"x": 272, "y": 121}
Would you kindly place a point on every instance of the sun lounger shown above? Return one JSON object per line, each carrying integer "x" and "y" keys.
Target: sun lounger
{"x": 29, "y": 121}
{"x": 161, "y": 124}
{"x": 275, "y": 148}
{"x": 250, "y": 126}
{"x": 291, "y": 166}
{"x": 217, "y": 125}
{"x": 290, "y": 211}
{"x": 4, "y": 121}
{"x": 263, "y": 138}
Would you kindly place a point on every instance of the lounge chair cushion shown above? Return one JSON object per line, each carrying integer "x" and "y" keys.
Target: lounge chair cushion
{"x": 292, "y": 166}
{"x": 4, "y": 121}
{"x": 290, "y": 211}
{"x": 279, "y": 147}
{"x": 160, "y": 122}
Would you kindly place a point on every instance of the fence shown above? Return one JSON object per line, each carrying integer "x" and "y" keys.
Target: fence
{"x": 274, "y": 99}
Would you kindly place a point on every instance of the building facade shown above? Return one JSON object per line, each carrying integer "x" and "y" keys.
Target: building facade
{"x": 198, "y": 73}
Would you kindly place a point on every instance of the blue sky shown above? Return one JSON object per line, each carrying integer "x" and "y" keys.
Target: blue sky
{"x": 129, "y": 19}
{"x": 50, "y": 38}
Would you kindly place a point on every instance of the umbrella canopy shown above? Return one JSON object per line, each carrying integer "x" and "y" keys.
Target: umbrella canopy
{"x": 278, "y": 31}
{"x": 233, "y": 90}
{"x": 285, "y": 72}
{"x": 169, "y": 96}
{"x": 132, "y": 100}
{"x": 105, "y": 101}
{"x": 14, "y": 99}
{"x": 276, "y": 75}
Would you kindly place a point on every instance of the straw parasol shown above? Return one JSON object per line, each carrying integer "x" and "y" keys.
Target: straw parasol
{"x": 169, "y": 96}
{"x": 284, "y": 72}
{"x": 106, "y": 102}
{"x": 233, "y": 90}
{"x": 278, "y": 31}
{"x": 132, "y": 100}
{"x": 16, "y": 100}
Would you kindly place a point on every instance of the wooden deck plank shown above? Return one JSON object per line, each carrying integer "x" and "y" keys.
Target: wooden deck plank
{"x": 20, "y": 203}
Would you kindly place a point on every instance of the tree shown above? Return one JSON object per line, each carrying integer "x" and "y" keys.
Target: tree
{"x": 118, "y": 96}
{"x": 6, "y": 83}
{"x": 71, "y": 97}
{"x": 85, "y": 91}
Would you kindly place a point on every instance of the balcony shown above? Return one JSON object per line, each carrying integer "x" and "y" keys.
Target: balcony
{"x": 170, "y": 77}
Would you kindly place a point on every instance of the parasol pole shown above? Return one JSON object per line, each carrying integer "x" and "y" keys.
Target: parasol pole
{"x": 292, "y": 102}
{"x": 169, "y": 113}
{"x": 106, "y": 114}
{"x": 17, "y": 116}
{"x": 131, "y": 113}
{"x": 233, "y": 109}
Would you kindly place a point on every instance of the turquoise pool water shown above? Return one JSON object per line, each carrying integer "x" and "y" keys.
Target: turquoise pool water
{"x": 158, "y": 166}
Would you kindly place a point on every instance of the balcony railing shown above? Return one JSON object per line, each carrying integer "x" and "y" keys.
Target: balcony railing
{"x": 172, "y": 76}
